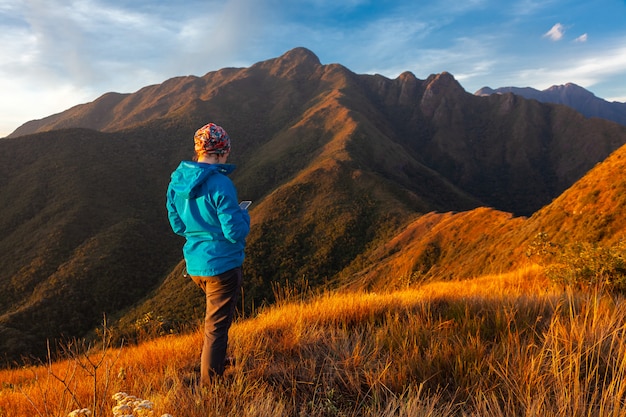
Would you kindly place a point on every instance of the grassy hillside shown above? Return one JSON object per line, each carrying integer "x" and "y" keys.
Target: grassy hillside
{"x": 357, "y": 181}
{"x": 592, "y": 209}
{"x": 485, "y": 241}
{"x": 511, "y": 344}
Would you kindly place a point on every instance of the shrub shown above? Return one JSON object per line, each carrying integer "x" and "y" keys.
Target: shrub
{"x": 585, "y": 265}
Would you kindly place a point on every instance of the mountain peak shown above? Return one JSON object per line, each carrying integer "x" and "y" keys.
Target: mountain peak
{"x": 295, "y": 63}
{"x": 443, "y": 82}
{"x": 485, "y": 91}
{"x": 439, "y": 88}
{"x": 301, "y": 55}
{"x": 407, "y": 77}
{"x": 570, "y": 89}
{"x": 569, "y": 94}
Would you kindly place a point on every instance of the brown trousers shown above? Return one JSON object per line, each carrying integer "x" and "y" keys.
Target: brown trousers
{"x": 221, "y": 292}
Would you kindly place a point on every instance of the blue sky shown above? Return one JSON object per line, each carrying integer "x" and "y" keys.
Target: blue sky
{"x": 55, "y": 54}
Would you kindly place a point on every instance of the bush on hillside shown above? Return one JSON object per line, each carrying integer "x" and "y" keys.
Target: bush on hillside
{"x": 582, "y": 264}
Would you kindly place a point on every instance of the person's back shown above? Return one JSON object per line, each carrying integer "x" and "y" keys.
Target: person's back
{"x": 206, "y": 212}
{"x": 203, "y": 207}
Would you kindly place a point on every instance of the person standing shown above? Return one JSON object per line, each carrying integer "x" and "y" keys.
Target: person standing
{"x": 203, "y": 207}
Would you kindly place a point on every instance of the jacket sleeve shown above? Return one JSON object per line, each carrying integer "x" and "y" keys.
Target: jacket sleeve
{"x": 172, "y": 214}
{"x": 235, "y": 222}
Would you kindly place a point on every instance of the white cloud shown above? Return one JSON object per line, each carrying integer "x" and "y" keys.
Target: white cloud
{"x": 556, "y": 33}
{"x": 582, "y": 38}
{"x": 596, "y": 67}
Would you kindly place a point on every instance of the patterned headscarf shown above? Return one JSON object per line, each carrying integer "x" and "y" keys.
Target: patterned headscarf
{"x": 211, "y": 138}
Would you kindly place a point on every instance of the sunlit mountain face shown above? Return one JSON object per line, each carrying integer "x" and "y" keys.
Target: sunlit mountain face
{"x": 358, "y": 181}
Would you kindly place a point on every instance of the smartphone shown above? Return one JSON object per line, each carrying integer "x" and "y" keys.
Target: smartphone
{"x": 245, "y": 204}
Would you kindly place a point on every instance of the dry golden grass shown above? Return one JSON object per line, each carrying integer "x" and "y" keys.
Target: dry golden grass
{"x": 502, "y": 345}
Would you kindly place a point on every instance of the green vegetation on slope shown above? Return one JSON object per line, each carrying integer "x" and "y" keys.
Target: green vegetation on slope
{"x": 498, "y": 345}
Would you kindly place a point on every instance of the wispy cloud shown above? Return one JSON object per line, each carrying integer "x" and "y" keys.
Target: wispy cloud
{"x": 594, "y": 67}
{"x": 58, "y": 53}
{"x": 581, "y": 39}
{"x": 528, "y": 7}
{"x": 220, "y": 35}
{"x": 556, "y": 32}
{"x": 77, "y": 41}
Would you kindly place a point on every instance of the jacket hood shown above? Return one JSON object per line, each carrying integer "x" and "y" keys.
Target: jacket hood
{"x": 188, "y": 178}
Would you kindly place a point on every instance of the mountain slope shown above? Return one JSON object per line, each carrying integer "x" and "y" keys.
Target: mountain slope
{"x": 82, "y": 233}
{"x": 335, "y": 162}
{"x": 592, "y": 210}
{"x": 570, "y": 95}
{"x": 511, "y": 154}
{"x": 485, "y": 241}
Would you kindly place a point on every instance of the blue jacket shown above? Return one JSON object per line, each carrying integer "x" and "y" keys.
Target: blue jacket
{"x": 202, "y": 206}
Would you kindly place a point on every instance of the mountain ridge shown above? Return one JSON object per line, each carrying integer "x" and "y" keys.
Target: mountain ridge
{"x": 348, "y": 172}
{"x": 571, "y": 95}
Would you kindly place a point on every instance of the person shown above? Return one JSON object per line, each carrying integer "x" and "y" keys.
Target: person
{"x": 203, "y": 207}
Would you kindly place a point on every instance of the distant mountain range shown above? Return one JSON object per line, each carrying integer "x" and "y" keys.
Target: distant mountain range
{"x": 572, "y": 95}
{"x": 357, "y": 181}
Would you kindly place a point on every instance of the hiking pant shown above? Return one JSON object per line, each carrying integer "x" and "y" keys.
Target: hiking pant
{"x": 221, "y": 293}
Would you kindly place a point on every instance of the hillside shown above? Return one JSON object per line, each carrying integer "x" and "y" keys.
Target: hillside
{"x": 341, "y": 168}
{"x": 82, "y": 233}
{"x": 503, "y": 345}
{"x": 486, "y": 241}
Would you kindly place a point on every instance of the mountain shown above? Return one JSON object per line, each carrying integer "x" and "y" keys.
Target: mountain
{"x": 347, "y": 172}
{"x": 570, "y": 95}
{"x": 434, "y": 121}
{"x": 487, "y": 241}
